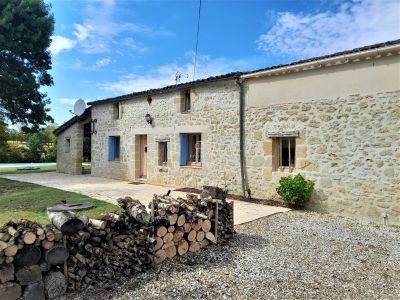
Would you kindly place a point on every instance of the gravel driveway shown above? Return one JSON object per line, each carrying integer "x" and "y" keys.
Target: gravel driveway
{"x": 296, "y": 255}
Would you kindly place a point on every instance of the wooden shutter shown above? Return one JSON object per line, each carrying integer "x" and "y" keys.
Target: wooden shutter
{"x": 111, "y": 150}
{"x": 184, "y": 149}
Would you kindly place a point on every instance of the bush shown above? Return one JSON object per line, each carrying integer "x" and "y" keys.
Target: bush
{"x": 295, "y": 190}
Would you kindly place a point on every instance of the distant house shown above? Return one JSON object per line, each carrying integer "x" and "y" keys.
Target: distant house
{"x": 335, "y": 119}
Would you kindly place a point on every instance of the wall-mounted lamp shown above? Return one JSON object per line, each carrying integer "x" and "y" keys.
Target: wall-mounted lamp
{"x": 149, "y": 119}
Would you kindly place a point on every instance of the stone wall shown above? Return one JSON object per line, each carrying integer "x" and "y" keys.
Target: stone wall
{"x": 214, "y": 113}
{"x": 69, "y": 161}
{"x": 350, "y": 147}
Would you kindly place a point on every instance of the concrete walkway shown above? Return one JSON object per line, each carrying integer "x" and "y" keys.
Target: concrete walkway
{"x": 110, "y": 190}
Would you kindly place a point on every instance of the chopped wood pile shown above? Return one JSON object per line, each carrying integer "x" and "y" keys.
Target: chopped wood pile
{"x": 75, "y": 252}
{"x": 31, "y": 259}
{"x": 105, "y": 250}
{"x": 183, "y": 225}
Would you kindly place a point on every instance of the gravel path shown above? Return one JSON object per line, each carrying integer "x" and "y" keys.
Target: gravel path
{"x": 296, "y": 255}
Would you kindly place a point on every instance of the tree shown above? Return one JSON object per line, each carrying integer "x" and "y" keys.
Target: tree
{"x": 26, "y": 27}
{"x": 3, "y": 141}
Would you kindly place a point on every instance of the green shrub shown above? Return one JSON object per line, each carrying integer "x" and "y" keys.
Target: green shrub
{"x": 295, "y": 190}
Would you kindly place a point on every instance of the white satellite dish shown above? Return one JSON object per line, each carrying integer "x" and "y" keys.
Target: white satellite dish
{"x": 79, "y": 107}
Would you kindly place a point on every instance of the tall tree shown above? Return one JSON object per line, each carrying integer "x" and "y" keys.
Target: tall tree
{"x": 26, "y": 27}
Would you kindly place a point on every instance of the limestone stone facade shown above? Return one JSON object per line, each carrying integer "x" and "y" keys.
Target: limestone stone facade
{"x": 70, "y": 149}
{"x": 348, "y": 139}
{"x": 350, "y": 147}
{"x": 214, "y": 114}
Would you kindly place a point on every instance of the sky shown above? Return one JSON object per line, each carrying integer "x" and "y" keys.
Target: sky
{"x": 107, "y": 48}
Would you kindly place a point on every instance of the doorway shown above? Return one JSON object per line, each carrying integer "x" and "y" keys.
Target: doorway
{"x": 142, "y": 164}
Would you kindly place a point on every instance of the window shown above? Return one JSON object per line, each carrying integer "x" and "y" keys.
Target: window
{"x": 190, "y": 149}
{"x": 162, "y": 153}
{"x": 185, "y": 101}
{"x": 284, "y": 153}
{"x": 116, "y": 108}
{"x": 67, "y": 145}
{"x": 114, "y": 148}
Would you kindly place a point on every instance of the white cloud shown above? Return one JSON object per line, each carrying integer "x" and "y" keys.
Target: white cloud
{"x": 354, "y": 24}
{"x": 101, "y": 63}
{"x": 82, "y": 32}
{"x": 165, "y": 75}
{"x": 69, "y": 101}
{"x": 100, "y": 29}
{"x": 60, "y": 43}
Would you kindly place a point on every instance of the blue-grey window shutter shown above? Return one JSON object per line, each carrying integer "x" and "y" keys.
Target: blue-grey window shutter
{"x": 184, "y": 149}
{"x": 111, "y": 148}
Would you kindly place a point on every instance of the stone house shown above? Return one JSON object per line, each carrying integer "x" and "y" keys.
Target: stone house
{"x": 334, "y": 119}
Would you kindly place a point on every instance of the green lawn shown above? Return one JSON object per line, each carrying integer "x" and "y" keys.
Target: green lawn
{"x": 22, "y": 200}
{"x": 13, "y": 170}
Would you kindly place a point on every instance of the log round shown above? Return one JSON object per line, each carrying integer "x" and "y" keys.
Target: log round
{"x": 34, "y": 291}
{"x": 183, "y": 247}
{"x": 160, "y": 256}
{"x": 10, "y": 291}
{"x": 194, "y": 247}
{"x": 6, "y": 273}
{"x": 56, "y": 255}
{"x": 28, "y": 275}
{"x": 178, "y": 235}
{"x": 181, "y": 220}
{"x": 206, "y": 225}
{"x": 170, "y": 251}
{"x": 55, "y": 284}
{"x": 11, "y": 250}
{"x": 200, "y": 236}
{"x": 28, "y": 237}
{"x": 67, "y": 222}
{"x": 171, "y": 228}
{"x": 211, "y": 237}
{"x": 172, "y": 219}
{"x": 161, "y": 231}
{"x": 168, "y": 237}
{"x": 28, "y": 256}
{"x": 192, "y": 236}
{"x": 159, "y": 243}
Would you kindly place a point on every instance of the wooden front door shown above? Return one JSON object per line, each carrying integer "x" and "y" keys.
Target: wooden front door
{"x": 143, "y": 156}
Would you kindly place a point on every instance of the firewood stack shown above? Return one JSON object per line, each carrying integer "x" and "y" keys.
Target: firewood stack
{"x": 106, "y": 250}
{"x": 31, "y": 256}
{"x": 183, "y": 225}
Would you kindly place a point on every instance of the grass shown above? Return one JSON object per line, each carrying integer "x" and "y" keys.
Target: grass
{"x": 22, "y": 200}
{"x": 13, "y": 170}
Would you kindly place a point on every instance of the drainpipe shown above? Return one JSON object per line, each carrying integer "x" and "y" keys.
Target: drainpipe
{"x": 243, "y": 175}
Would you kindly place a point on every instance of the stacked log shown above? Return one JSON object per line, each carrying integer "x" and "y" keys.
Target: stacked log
{"x": 25, "y": 247}
{"x": 187, "y": 225}
{"x": 109, "y": 249}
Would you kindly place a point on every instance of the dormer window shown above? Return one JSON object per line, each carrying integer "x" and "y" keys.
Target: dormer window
{"x": 185, "y": 101}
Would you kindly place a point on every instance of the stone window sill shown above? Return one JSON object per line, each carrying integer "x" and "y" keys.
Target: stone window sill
{"x": 190, "y": 167}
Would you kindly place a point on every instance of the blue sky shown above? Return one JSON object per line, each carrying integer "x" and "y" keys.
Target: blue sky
{"x": 107, "y": 48}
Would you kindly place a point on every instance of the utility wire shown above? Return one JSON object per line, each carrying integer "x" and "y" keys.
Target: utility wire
{"x": 197, "y": 41}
